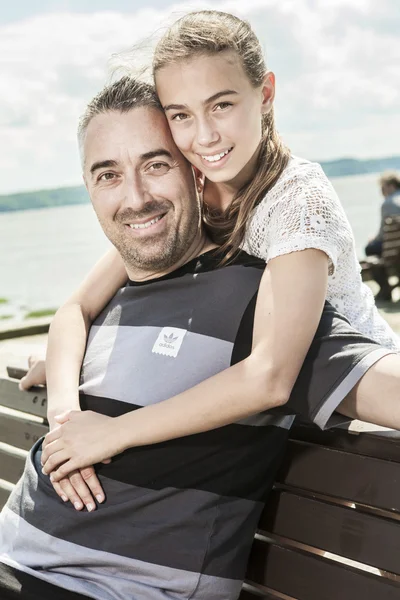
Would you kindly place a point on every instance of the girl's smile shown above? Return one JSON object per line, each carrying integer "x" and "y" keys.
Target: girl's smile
{"x": 217, "y": 159}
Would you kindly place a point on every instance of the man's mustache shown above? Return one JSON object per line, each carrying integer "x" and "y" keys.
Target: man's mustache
{"x": 151, "y": 208}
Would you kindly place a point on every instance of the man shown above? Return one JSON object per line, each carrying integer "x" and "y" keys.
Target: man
{"x": 179, "y": 515}
{"x": 390, "y": 188}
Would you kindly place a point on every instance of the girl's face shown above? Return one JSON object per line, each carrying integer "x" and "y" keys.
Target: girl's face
{"x": 215, "y": 114}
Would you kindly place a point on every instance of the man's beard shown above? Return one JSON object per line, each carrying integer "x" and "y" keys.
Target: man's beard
{"x": 160, "y": 251}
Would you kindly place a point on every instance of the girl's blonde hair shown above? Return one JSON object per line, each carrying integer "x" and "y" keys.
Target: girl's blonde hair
{"x": 208, "y": 32}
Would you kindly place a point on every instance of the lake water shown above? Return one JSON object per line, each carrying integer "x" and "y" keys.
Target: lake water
{"x": 46, "y": 253}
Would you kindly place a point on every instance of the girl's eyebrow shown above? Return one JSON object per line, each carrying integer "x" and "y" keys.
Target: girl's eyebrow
{"x": 208, "y": 101}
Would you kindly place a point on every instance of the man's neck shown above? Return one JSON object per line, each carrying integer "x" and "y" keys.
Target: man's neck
{"x": 199, "y": 246}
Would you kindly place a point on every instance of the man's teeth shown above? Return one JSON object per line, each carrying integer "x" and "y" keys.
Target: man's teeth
{"x": 145, "y": 225}
{"x": 216, "y": 156}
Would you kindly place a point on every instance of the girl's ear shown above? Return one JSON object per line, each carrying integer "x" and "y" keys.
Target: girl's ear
{"x": 267, "y": 92}
{"x": 199, "y": 178}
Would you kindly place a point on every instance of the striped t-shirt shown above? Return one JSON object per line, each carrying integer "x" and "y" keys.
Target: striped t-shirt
{"x": 179, "y": 516}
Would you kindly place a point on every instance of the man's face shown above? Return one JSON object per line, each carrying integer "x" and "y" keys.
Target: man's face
{"x": 387, "y": 189}
{"x": 141, "y": 188}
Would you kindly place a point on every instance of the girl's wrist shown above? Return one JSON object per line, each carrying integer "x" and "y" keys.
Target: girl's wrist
{"x": 123, "y": 433}
{"x": 59, "y": 404}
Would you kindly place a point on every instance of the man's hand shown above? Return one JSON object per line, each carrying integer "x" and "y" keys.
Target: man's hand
{"x": 82, "y": 439}
{"x": 80, "y": 487}
{"x": 36, "y": 374}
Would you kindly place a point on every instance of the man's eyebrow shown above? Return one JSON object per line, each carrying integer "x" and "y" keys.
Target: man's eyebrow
{"x": 102, "y": 164}
{"x": 155, "y": 153}
{"x": 212, "y": 98}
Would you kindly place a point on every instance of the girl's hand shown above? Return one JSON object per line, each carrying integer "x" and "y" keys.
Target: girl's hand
{"x": 82, "y": 439}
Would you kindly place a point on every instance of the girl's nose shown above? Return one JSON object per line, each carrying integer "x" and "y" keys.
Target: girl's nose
{"x": 206, "y": 133}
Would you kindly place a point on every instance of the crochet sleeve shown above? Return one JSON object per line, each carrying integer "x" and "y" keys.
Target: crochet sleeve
{"x": 302, "y": 211}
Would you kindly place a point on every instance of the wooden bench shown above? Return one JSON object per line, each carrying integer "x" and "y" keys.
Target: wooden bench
{"x": 331, "y": 528}
{"x": 374, "y": 268}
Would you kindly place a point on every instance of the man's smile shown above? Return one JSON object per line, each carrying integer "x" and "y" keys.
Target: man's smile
{"x": 146, "y": 224}
{"x": 151, "y": 224}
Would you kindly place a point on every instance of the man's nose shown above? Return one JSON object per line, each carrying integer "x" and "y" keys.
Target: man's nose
{"x": 206, "y": 133}
{"x": 134, "y": 195}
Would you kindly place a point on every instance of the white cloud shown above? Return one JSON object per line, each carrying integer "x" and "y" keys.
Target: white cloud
{"x": 337, "y": 65}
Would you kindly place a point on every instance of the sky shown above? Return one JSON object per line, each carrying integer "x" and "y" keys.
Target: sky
{"x": 337, "y": 66}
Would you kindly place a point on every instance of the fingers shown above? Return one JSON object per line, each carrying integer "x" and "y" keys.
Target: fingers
{"x": 50, "y": 445}
{"x": 80, "y": 491}
{"x": 63, "y": 471}
{"x": 36, "y": 374}
{"x": 91, "y": 480}
{"x": 32, "y": 359}
{"x": 52, "y": 465}
{"x": 67, "y": 492}
{"x": 74, "y": 489}
{"x": 65, "y": 416}
{"x": 80, "y": 488}
{"x": 59, "y": 490}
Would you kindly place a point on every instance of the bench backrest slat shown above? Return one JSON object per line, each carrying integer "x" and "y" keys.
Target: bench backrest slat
{"x": 308, "y": 577}
{"x": 254, "y": 594}
{"x": 4, "y": 493}
{"x": 33, "y": 402}
{"x": 20, "y": 433}
{"x": 386, "y": 448}
{"x": 341, "y": 530}
{"x": 359, "y": 479}
{"x": 12, "y": 464}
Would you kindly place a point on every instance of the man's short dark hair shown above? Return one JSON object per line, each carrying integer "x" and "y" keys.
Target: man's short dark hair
{"x": 390, "y": 178}
{"x": 122, "y": 96}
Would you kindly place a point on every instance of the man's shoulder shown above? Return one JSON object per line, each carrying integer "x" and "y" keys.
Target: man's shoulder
{"x": 218, "y": 259}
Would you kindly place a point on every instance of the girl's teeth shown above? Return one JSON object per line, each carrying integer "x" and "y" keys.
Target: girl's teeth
{"x": 145, "y": 225}
{"x": 215, "y": 157}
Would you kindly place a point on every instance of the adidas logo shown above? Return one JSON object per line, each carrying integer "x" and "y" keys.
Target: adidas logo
{"x": 169, "y": 341}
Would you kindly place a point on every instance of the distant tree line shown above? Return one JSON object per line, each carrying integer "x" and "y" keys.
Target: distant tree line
{"x": 351, "y": 166}
{"x": 44, "y": 198}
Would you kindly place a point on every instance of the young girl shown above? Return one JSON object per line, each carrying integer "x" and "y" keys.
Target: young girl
{"x": 218, "y": 97}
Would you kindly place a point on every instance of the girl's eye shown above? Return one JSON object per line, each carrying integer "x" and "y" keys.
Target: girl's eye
{"x": 179, "y": 117}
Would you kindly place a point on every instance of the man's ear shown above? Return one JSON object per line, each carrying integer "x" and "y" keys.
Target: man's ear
{"x": 267, "y": 92}
{"x": 199, "y": 179}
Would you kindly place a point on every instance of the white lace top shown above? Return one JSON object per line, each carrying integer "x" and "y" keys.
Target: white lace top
{"x": 303, "y": 211}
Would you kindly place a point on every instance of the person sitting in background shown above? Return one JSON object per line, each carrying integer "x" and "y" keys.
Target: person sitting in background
{"x": 390, "y": 188}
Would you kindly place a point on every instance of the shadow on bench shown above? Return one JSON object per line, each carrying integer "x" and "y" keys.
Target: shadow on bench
{"x": 330, "y": 530}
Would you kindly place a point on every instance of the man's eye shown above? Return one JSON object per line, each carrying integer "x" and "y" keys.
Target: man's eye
{"x": 106, "y": 176}
{"x": 179, "y": 117}
{"x": 222, "y": 105}
{"x": 159, "y": 167}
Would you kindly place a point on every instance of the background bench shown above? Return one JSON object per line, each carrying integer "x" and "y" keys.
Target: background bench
{"x": 372, "y": 267}
{"x": 331, "y": 529}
